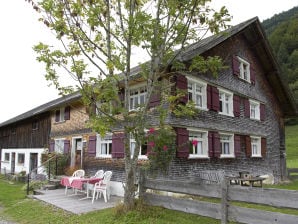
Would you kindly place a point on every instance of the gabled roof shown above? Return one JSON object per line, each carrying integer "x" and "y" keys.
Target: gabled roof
{"x": 255, "y": 35}
{"x": 44, "y": 108}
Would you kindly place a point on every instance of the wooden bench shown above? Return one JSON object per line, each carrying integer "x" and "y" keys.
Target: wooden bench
{"x": 251, "y": 181}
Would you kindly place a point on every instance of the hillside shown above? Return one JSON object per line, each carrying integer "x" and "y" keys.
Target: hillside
{"x": 282, "y": 31}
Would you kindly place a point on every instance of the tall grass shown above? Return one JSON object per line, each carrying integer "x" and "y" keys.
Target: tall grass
{"x": 292, "y": 146}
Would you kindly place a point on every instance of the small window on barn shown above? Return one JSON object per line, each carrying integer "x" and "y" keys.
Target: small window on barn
{"x": 6, "y": 156}
{"x": 35, "y": 125}
{"x": 21, "y": 158}
{"x": 13, "y": 130}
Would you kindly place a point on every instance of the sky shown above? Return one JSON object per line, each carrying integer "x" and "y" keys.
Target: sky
{"x": 23, "y": 86}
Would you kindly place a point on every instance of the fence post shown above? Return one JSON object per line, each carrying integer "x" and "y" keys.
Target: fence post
{"x": 49, "y": 170}
{"x": 142, "y": 183}
{"x": 28, "y": 183}
{"x": 224, "y": 200}
{"x": 56, "y": 171}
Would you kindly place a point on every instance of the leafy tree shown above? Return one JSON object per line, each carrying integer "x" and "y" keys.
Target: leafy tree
{"x": 98, "y": 41}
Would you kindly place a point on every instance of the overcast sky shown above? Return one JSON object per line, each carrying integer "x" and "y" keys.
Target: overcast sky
{"x": 23, "y": 86}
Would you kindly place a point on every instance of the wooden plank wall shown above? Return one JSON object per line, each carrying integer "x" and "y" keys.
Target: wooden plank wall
{"x": 271, "y": 197}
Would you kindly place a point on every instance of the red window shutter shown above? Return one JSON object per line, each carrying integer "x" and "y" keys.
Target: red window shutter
{"x": 248, "y": 146}
{"x": 252, "y": 75}
{"x": 67, "y": 113}
{"x": 237, "y": 145}
{"x": 118, "y": 145}
{"x": 246, "y": 108}
{"x": 263, "y": 147}
{"x": 209, "y": 97}
{"x": 262, "y": 112}
{"x": 66, "y": 146}
{"x": 236, "y": 105}
{"x": 52, "y": 146}
{"x": 57, "y": 116}
{"x": 210, "y": 144}
{"x": 182, "y": 139}
{"x": 215, "y": 99}
{"x": 92, "y": 145}
{"x": 236, "y": 65}
{"x": 181, "y": 84}
{"x": 155, "y": 97}
{"x": 216, "y": 145}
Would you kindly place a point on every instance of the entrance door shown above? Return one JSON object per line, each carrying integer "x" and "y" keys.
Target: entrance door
{"x": 13, "y": 162}
{"x": 33, "y": 162}
{"x": 77, "y": 152}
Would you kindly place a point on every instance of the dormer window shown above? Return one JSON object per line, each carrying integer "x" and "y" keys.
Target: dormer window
{"x": 244, "y": 68}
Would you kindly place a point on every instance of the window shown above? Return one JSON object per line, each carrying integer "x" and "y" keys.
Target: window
{"x": 59, "y": 145}
{"x": 244, "y": 68}
{"x": 62, "y": 114}
{"x": 21, "y": 158}
{"x": 142, "y": 149}
{"x": 198, "y": 144}
{"x": 104, "y": 146}
{"x": 6, "y": 156}
{"x": 255, "y": 146}
{"x": 226, "y": 145}
{"x": 225, "y": 102}
{"x": 254, "y": 109}
{"x": 137, "y": 97}
{"x": 35, "y": 125}
{"x": 197, "y": 93}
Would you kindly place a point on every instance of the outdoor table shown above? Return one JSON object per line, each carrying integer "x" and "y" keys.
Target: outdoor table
{"x": 78, "y": 183}
{"x": 251, "y": 181}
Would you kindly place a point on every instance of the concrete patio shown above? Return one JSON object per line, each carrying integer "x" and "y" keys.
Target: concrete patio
{"x": 73, "y": 204}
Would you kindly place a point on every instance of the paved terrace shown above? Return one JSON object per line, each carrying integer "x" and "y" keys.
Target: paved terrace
{"x": 73, "y": 204}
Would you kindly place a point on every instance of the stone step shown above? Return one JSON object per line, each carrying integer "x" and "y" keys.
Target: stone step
{"x": 49, "y": 187}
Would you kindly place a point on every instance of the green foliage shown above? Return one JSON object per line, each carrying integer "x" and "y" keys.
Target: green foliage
{"x": 62, "y": 163}
{"x": 292, "y": 144}
{"x": 162, "y": 147}
{"x": 283, "y": 36}
{"x": 34, "y": 185}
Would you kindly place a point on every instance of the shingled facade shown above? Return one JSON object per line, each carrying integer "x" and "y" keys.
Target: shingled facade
{"x": 240, "y": 125}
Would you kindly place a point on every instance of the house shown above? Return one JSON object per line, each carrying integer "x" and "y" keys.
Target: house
{"x": 24, "y": 138}
{"x": 240, "y": 126}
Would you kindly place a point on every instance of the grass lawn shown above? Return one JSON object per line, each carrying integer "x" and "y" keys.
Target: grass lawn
{"x": 292, "y": 146}
{"x": 18, "y": 208}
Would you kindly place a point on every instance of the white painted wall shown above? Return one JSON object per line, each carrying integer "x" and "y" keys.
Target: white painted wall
{"x": 24, "y": 166}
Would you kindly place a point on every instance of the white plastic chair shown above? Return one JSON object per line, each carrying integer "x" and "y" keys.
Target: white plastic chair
{"x": 76, "y": 174}
{"x": 103, "y": 187}
{"x": 98, "y": 174}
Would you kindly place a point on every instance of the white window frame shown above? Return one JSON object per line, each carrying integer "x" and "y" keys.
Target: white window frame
{"x": 61, "y": 114}
{"x": 5, "y": 154}
{"x": 19, "y": 158}
{"x": 133, "y": 105}
{"x": 227, "y": 105}
{"x": 59, "y": 141}
{"x": 244, "y": 68}
{"x": 254, "y": 106}
{"x": 132, "y": 144}
{"x": 203, "y": 141}
{"x": 194, "y": 84}
{"x": 231, "y": 149}
{"x": 107, "y": 141}
{"x": 256, "y": 150}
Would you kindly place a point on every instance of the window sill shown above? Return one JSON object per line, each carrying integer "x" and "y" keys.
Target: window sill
{"x": 229, "y": 115}
{"x": 104, "y": 156}
{"x": 143, "y": 157}
{"x": 59, "y": 122}
{"x": 227, "y": 156}
{"x": 256, "y": 156}
{"x": 198, "y": 157}
{"x": 255, "y": 119}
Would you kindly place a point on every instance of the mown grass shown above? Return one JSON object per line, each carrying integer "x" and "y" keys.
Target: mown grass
{"x": 292, "y": 146}
{"x": 17, "y": 207}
